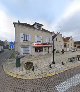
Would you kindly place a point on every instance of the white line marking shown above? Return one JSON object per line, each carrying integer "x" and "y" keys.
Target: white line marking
{"x": 73, "y": 81}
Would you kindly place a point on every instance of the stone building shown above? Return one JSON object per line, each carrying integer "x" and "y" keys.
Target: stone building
{"x": 68, "y": 43}
{"x": 1, "y": 46}
{"x": 58, "y": 42}
{"x": 32, "y": 39}
{"x": 77, "y": 45}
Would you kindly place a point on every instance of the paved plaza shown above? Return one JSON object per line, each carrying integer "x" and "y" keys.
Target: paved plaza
{"x": 41, "y": 65}
{"x": 46, "y": 84}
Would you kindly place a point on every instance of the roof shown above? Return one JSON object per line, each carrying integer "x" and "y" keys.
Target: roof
{"x": 77, "y": 42}
{"x": 66, "y": 39}
{"x": 37, "y": 24}
{"x": 31, "y": 26}
{"x": 55, "y": 35}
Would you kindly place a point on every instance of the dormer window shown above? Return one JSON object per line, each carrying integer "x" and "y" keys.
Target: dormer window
{"x": 37, "y": 26}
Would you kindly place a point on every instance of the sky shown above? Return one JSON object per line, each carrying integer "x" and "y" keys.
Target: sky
{"x": 56, "y": 15}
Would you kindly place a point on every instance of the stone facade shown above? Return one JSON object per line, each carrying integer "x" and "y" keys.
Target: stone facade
{"x": 44, "y": 36}
{"x": 58, "y": 42}
{"x": 1, "y": 48}
{"x": 68, "y": 43}
{"x": 77, "y": 45}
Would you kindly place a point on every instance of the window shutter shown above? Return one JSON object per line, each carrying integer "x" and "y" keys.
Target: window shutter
{"x": 35, "y": 38}
{"x": 21, "y": 51}
{"x": 41, "y": 38}
{"x": 30, "y": 49}
{"x": 21, "y": 37}
{"x": 29, "y": 37}
{"x": 46, "y": 39}
{"x": 26, "y": 38}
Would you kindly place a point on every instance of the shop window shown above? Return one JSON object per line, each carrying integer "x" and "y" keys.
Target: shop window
{"x": 38, "y": 49}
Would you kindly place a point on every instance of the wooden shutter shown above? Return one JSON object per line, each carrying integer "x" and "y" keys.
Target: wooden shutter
{"x": 35, "y": 38}
{"x": 30, "y": 49}
{"x": 46, "y": 39}
{"x": 21, "y": 49}
{"x": 41, "y": 38}
{"x": 29, "y": 37}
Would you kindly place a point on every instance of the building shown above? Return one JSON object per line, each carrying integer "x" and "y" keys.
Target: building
{"x": 32, "y": 39}
{"x": 1, "y": 46}
{"x": 68, "y": 43}
{"x": 6, "y": 44}
{"x": 58, "y": 42}
{"x": 77, "y": 45}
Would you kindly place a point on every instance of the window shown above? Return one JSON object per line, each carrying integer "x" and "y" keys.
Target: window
{"x": 64, "y": 45}
{"x": 68, "y": 45}
{"x": 38, "y": 39}
{"x": 39, "y": 49}
{"x": 74, "y": 45}
{"x": 56, "y": 39}
{"x": 47, "y": 39}
{"x": 26, "y": 50}
{"x": 26, "y": 37}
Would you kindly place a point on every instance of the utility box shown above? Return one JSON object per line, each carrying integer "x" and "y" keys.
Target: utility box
{"x": 18, "y": 62}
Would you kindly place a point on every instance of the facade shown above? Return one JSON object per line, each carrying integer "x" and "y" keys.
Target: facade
{"x": 6, "y": 44}
{"x": 1, "y": 46}
{"x": 58, "y": 42}
{"x": 68, "y": 43}
{"x": 77, "y": 45}
{"x": 32, "y": 39}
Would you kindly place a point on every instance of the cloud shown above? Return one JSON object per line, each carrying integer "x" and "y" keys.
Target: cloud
{"x": 69, "y": 23}
{"x": 6, "y": 25}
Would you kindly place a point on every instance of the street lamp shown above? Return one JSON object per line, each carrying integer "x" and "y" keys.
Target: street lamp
{"x": 53, "y": 62}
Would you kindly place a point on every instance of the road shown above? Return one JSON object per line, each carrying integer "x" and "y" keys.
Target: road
{"x": 5, "y": 55}
{"x": 55, "y": 84}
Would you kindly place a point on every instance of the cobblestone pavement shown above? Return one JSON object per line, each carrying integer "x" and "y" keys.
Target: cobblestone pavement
{"x": 10, "y": 84}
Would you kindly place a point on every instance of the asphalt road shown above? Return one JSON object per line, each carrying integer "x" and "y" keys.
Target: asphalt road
{"x": 10, "y": 84}
{"x": 5, "y": 55}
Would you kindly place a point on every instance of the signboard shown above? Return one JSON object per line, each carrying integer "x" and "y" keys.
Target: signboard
{"x": 11, "y": 45}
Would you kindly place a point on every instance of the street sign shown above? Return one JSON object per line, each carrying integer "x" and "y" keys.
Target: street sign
{"x": 11, "y": 45}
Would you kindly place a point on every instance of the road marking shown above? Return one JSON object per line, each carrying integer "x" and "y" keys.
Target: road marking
{"x": 73, "y": 81}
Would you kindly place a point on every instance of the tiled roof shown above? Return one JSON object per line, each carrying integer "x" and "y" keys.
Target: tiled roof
{"x": 66, "y": 39}
{"x": 77, "y": 42}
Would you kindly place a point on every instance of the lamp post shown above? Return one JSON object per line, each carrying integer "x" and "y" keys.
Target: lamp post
{"x": 54, "y": 36}
{"x": 53, "y": 62}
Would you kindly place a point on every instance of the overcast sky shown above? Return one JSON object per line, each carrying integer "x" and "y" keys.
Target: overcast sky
{"x": 56, "y": 15}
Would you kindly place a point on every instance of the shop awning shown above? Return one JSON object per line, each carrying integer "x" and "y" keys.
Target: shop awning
{"x": 42, "y": 45}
